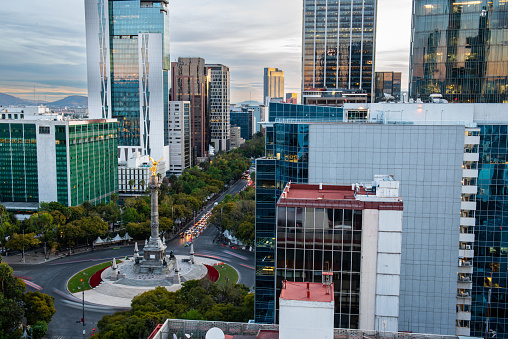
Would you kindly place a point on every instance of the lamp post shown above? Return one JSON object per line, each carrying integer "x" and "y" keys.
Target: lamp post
{"x": 23, "y": 243}
{"x": 83, "y": 318}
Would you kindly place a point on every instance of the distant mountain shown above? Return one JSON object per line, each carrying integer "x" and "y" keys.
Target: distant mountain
{"x": 9, "y": 100}
{"x": 251, "y": 103}
{"x": 70, "y": 101}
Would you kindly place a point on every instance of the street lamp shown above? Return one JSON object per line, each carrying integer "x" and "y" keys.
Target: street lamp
{"x": 83, "y": 319}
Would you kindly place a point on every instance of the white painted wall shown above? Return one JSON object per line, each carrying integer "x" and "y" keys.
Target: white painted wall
{"x": 368, "y": 269}
{"x": 305, "y": 319}
{"x": 46, "y": 163}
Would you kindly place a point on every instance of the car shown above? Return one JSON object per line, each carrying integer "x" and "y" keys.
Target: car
{"x": 215, "y": 203}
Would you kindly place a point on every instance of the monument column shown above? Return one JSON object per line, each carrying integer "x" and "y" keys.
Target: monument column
{"x": 154, "y": 185}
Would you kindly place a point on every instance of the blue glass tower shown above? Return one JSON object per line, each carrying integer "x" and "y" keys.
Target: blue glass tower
{"x": 490, "y": 275}
{"x": 128, "y": 64}
{"x": 287, "y": 150}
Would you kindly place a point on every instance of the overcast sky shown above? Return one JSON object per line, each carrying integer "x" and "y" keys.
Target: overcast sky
{"x": 42, "y": 43}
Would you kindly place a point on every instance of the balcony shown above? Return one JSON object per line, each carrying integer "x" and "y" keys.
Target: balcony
{"x": 465, "y": 269}
{"x": 471, "y": 156}
{"x": 466, "y": 189}
{"x": 466, "y": 237}
{"x": 472, "y": 140}
{"x": 463, "y": 315}
{"x": 470, "y": 173}
{"x": 467, "y": 221}
{"x": 466, "y": 254}
{"x": 465, "y": 285}
{"x": 468, "y": 205}
{"x": 462, "y": 331}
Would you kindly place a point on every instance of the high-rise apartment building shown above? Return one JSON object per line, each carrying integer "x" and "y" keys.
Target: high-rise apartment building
{"x": 338, "y": 50}
{"x": 189, "y": 82}
{"x": 128, "y": 64}
{"x": 387, "y": 83}
{"x": 69, "y": 162}
{"x": 180, "y": 153}
{"x": 458, "y": 50}
{"x": 219, "y": 102}
{"x": 273, "y": 83}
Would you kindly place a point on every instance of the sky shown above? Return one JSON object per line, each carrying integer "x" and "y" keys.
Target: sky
{"x": 43, "y": 48}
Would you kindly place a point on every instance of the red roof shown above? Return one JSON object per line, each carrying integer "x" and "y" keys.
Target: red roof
{"x": 303, "y": 291}
{"x": 332, "y": 196}
{"x": 268, "y": 334}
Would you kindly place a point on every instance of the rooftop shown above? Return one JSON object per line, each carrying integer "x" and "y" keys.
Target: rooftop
{"x": 303, "y": 291}
{"x": 354, "y": 196}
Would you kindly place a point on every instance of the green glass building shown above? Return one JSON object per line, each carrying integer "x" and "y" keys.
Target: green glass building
{"x": 65, "y": 161}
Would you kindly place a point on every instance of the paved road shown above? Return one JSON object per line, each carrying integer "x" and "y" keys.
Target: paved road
{"x": 53, "y": 276}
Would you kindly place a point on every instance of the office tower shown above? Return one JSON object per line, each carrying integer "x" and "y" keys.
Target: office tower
{"x": 273, "y": 83}
{"x": 219, "y": 98}
{"x": 353, "y": 233}
{"x": 291, "y": 98}
{"x": 45, "y": 160}
{"x": 128, "y": 62}
{"x": 236, "y": 139}
{"x": 179, "y": 135}
{"x": 437, "y": 161}
{"x": 189, "y": 82}
{"x": 338, "y": 51}
{"x": 387, "y": 83}
{"x": 245, "y": 120}
{"x": 458, "y": 50}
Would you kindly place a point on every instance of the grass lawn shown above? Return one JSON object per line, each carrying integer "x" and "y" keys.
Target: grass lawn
{"x": 74, "y": 284}
{"x": 227, "y": 273}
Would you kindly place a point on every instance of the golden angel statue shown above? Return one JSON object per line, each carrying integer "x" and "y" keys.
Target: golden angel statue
{"x": 153, "y": 168}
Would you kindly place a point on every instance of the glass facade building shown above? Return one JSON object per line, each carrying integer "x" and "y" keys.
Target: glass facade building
{"x": 244, "y": 120}
{"x": 490, "y": 276}
{"x": 339, "y": 44}
{"x": 190, "y": 82}
{"x": 65, "y": 161}
{"x": 128, "y": 64}
{"x": 389, "y": 83}
{"x": 459, "y": 50}
{"x": 286, "y": 149}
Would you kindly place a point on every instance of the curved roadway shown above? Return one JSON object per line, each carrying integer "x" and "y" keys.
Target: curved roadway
{"x": 53, "y": 276}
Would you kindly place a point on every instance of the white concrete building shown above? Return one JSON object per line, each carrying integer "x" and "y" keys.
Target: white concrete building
{"x": 134, "y": 174}
{"x": 179, "y": 134}
{"x": 219, "y": 99}
{"x": 306, "y": 310}
{"x": 29, "y": 113}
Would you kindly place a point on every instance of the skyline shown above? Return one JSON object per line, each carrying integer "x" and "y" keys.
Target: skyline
{"x": 50, "y": 42}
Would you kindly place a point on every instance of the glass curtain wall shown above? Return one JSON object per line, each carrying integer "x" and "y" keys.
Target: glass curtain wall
{"x": 459, "y": 49}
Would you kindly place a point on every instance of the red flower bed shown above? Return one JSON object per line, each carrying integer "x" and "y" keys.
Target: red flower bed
{"x": 96, "y": 279}
{"x": 213, "y": 274}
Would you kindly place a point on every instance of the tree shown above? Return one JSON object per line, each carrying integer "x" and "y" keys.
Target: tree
{"x": 131, "y": 183}
{"x": 142, "y": 183}
{"x": 39, "y": 330}
{"x": 20, "y": 241}
{"x": 11, "y": 302}
{"x": 38, "y": 307}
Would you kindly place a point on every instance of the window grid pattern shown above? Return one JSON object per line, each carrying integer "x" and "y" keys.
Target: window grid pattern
{"x": 18, "y": 163}
{"x": 313, "y": 240}
{"x": 459, "y": 49}
{"x": 491, "y": 234}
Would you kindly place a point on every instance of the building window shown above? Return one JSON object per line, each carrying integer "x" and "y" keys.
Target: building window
{"x": 43, "y": 130}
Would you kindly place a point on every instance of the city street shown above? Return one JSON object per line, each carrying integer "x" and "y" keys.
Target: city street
{"x": 52, "y": 276}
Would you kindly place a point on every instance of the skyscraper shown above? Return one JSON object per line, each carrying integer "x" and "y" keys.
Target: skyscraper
{"x": 219, "y": 93}
{"x": 387, "y": 83}
{"x": 273, "y": 83}
{"x": 128, "y": 63}
{"x": 189, "y": 82}
{"x": 458, "y": 49}
{"x": 338, "y": 48}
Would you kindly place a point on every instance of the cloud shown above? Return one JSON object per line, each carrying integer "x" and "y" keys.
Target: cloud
{"x": 43, "y": 42}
